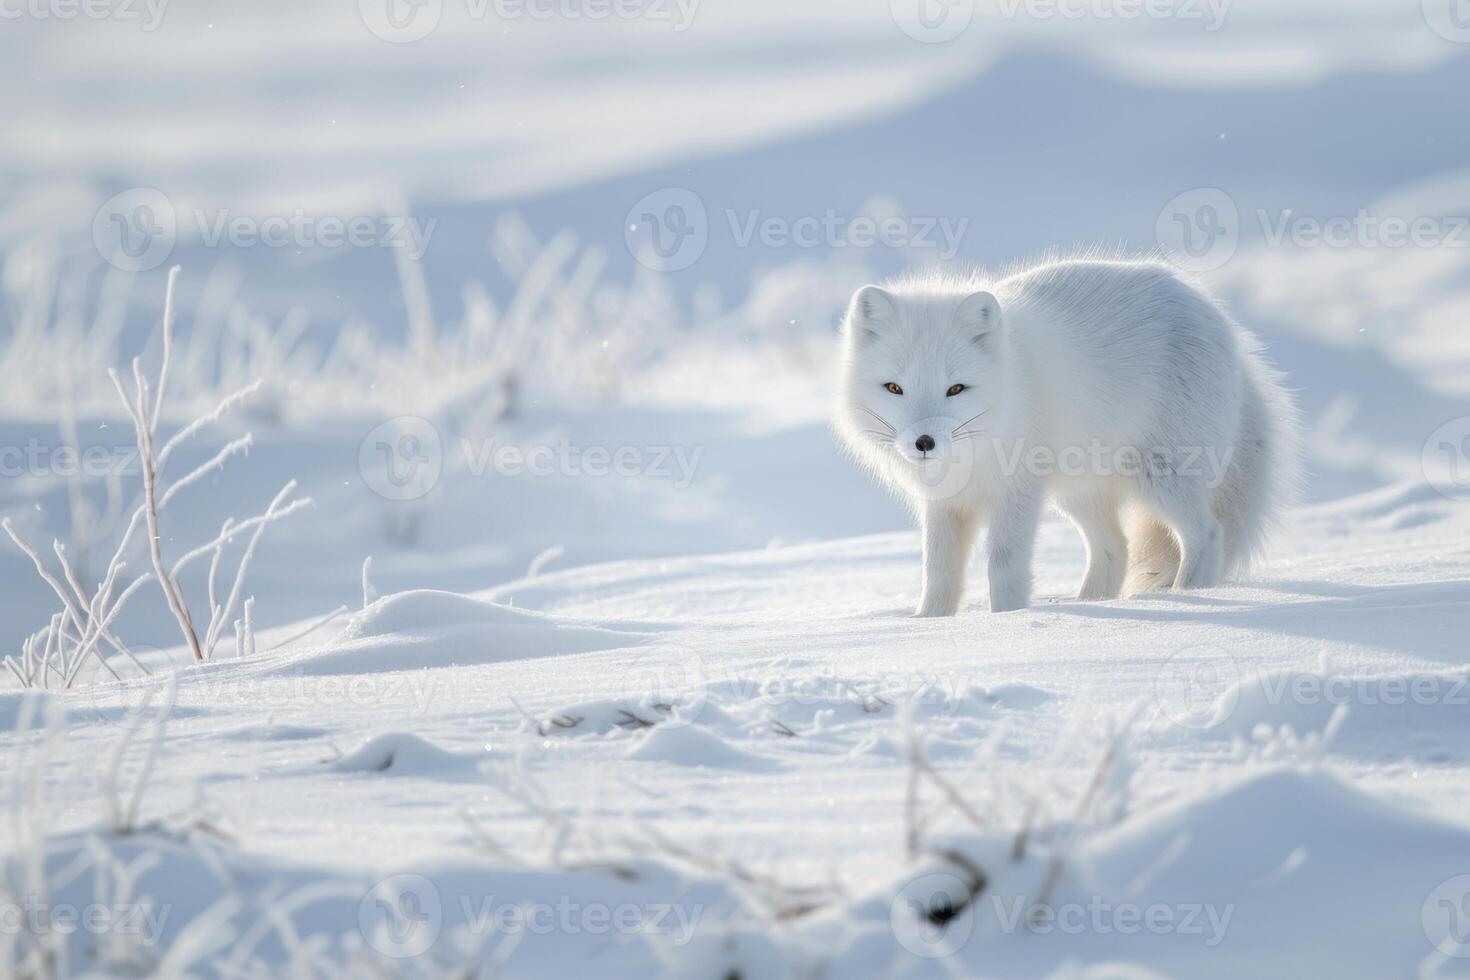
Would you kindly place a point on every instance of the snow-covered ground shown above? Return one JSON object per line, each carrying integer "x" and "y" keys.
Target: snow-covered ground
{"x": 629, "y": 686}
{"x": 708, "y": 745}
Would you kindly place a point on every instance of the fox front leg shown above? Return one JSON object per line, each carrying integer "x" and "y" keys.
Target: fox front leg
{"x": 948, "y": 536}
{"x": 1011, "y": 540}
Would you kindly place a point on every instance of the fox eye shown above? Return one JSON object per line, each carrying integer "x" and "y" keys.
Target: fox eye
{"x": 893, "y": 389}
{"x": 954, "y": 390}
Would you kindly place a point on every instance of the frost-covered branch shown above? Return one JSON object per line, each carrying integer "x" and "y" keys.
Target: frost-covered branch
{"x": 78, "y": 633}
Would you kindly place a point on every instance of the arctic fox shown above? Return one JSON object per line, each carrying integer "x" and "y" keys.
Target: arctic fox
{"x": 1114, "y": 388}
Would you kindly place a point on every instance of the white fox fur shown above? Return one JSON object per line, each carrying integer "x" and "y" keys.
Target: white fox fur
{"x": 1116, "y": 389}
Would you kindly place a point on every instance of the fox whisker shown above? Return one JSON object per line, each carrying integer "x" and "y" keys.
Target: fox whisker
{"x": 969, "y": 420}
{"x": 881, "y": 420}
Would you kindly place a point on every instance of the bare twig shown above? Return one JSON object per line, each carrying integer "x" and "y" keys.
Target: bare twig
{"x": 369, "y": 594}
{"x": 309, "y": 630}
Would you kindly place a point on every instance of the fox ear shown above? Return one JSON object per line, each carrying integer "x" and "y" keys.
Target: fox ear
{"x": 978, "y": 315}
{"x": 871, "y": 309}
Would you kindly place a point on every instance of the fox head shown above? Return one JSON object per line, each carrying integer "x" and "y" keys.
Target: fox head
{"x": 920, "y": 377}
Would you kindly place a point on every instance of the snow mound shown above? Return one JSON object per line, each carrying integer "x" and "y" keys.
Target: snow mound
{"x": 1398, "y": 506}
{"x": 605, "y": 716}
{"x": 402, "y": 754}
{"x": 1212, "y": 885}
{"x": 430, "y": 628}
{"x": 427, "y": 609}
{"x": 689, "y": 745}
{"x": 1426, "y": 716}
{"x": 273, "y": 731}
{"x": 1282, "y": 840}
{"x": 196, "y": 907}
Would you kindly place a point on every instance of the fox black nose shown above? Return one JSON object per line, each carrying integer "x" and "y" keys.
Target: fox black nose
{"x": 924, "y": 444}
